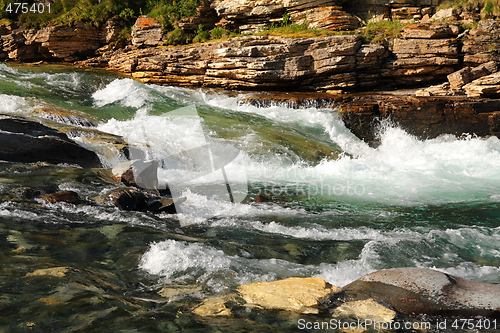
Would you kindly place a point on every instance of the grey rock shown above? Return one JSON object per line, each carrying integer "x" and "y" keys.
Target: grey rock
{"x": 425, "y": 291}
{"x": 23, "y": 140}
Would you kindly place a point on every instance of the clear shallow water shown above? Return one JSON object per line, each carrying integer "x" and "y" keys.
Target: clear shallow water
{"x": 342, "y": 209}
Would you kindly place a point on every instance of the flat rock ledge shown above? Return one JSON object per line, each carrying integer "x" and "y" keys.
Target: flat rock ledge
{"x": 399, "y": 294}
{"x": 27, "y": 141}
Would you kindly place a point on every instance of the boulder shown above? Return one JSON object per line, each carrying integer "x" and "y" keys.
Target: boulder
{"x": 213, "y": 307}
{"x": 484, "y": 69}
{"x": 419, "y": 291}
{"x": 302, "y": 295}
{"x": 487, "y": 86}
{"x": 330, "y": 18}
{"x": 26, "y": 141}
{"x": 138, "y": 173}
{"x": 443, "y": 89}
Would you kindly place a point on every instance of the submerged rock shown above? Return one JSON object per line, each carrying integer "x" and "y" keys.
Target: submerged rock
{"x": 416, "y": 291}
{"x": 54, "y": 271}
{"x": 127, "y": 199}
{"x": 365, "y": 310}
{"x": 64, "y": 196}
{"x": 296, "y": 294}
{"x": 23, "y": 140}
{"x": 213, "y": 307}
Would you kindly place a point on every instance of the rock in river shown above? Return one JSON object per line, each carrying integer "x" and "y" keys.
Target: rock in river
{"x": 415, "y": 291}
{"x": 26, "y": 141}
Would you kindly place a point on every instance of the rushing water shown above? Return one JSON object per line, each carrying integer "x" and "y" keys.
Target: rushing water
{"x": 341, "y": 209}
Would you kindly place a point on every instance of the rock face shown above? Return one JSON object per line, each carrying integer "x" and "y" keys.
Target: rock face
{"x": 426, "y": 54}
{"x": 395, "y": 9}
{"x": 424, "y": 291}
{"x": 249, "y": 63}
{"x": 68, "y": 43}
{"x": 22, "y": 140}
{"x": 423, "y": 117}
{"x": 58, "y": 43}
{"x": 482, "y": 44}
{"x": 250, "y": 16}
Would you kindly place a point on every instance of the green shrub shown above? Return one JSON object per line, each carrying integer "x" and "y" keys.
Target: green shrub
{"x": 169, "y": 12}
{"x": 377, "y": 32}
{"x": 177, "y": 37}
{"x": 201, "y": 35}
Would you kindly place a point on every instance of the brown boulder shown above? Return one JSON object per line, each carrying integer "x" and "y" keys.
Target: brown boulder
{"x": 416, "y": 291}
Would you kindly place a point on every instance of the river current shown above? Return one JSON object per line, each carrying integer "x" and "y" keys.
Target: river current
{"x": 340, "y": 209}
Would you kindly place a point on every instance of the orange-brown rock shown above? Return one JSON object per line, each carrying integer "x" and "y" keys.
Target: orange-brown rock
{"x": 330, "y": 18}
{"x": 146, "y": 31}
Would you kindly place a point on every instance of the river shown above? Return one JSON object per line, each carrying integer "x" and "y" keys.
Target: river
{"x": 340, "y": 209}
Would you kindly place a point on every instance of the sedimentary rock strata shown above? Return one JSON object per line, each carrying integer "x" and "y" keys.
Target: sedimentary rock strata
{"x": 249, "y": 63}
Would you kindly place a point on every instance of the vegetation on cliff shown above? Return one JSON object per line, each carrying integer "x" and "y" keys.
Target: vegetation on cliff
{"x": 487, "y": 8}
{"x": 97, "y": 12}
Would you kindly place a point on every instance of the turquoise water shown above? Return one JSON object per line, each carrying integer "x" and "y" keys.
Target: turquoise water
{"x": 340, "y": 210}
